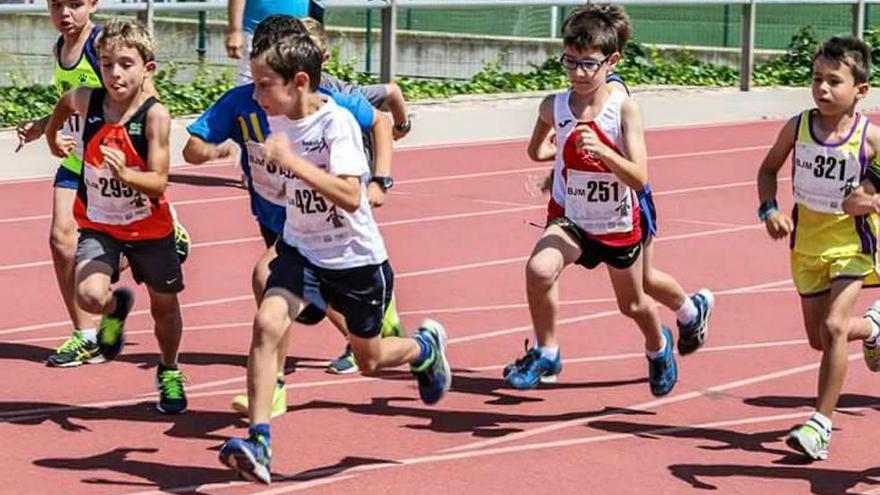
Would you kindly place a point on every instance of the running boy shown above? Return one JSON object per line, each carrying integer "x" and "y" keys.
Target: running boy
{"x": 692, "y": 312}
{"x": 833, "y": 227}
{"x": 76, "y": 65}
{"x": 331, "y": 245}
{"x": 120, "y": 205}
{"x": 237, "y": 116}
{"x": 593, "y": 216}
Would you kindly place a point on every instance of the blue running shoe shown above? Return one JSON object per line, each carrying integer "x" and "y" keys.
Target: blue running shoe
{"x": 434, "y": 375}
{"x": 662, "y": 371}
{"x": 693, "y": 335}
{"x": 530, "y": 369}
{"x": 250, "y": 458}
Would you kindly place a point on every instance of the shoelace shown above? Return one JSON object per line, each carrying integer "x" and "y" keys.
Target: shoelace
{"x": 172, "y": 382}
{"x": 530, "y": 357}
{"x": 74, "y": 343}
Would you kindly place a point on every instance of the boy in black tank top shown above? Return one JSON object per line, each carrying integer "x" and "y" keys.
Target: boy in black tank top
{"x": 120, "y": 205}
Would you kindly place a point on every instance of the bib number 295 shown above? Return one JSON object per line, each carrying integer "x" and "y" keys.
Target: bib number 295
{"x": 112, "y": 188}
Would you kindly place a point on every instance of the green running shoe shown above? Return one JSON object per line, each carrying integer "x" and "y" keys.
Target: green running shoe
{"x": 111, "y": 331}
{"x": 75, "y": 351}
{"x": 172, "y": 398}
{"x": 279, "y": 401}
{"x": 810, "y": 439}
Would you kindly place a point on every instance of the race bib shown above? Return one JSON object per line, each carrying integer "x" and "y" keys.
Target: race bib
{"x": 313, "y": 220}
{"x": 598, "y": 202}
{"x": 112, "y": 202}
{"x": 268, "y": 178}
{"x": 823, "y": 177}
{"x": 74, "y": 127}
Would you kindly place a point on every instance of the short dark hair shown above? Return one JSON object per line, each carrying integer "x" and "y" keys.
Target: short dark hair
{"x": 289, "y": 53}
{"x": 275, "y": 28}
{"x": 591, "y": 27}
{"x": 849, "y": 51}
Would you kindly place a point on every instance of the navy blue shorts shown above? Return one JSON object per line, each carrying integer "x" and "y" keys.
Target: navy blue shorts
{"x": 65, "y": 179}
{"x": 649, "y": 214}
{"x": 314, "y": 312}
{"x": 360, "y": 294}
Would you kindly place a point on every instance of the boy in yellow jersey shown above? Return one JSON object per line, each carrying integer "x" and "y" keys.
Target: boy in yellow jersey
{"x": 76, "y": 64}
{"x": 833, "y": 227}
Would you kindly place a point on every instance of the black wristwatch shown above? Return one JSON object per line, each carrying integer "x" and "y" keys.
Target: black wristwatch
{"x": 766, "y": 209}
{"x": 404, "y": 126}
{"x": 384, "y": 181}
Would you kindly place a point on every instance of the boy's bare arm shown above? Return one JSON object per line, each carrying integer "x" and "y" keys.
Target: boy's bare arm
{"x": 778, "y": 224}
{"x": 774, "y": 161}
{"x": 397, "y": 106}
{"x": 234, "y": 28}
{"x": 539, "y": 148}
{"x": 632, "y": 169}
{"x": 198, "y": 151}
{"x": 344, "y": 191}
{"x": 74, "y": 101}
{"x": 154, "y": 180}
{"x": 382, "y": 150}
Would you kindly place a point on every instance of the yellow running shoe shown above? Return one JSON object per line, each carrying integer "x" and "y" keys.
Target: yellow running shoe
{"x": 279, "y": 401}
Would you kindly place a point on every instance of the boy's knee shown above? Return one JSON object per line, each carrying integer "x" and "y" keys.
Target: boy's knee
{"x": 267, "y": 327}
{"x": 634, "y": 308}
{"x": 541, "y": 273}
{"x": 836, "y": 328}
{"x": 90, "y": 299}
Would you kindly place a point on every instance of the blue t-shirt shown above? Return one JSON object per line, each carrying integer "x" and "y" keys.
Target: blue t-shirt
{"x": 257, "y": 10}
{"x": 237, "y": 116}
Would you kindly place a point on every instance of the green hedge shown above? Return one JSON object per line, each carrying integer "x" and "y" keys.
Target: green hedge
{"x": 641, "y": 65}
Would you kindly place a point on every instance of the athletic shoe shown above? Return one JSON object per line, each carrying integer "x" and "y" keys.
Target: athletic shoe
{"x": 391, "y": 325}
{"x": 662, "y": 370}
{"x": 111, "y": 331}
{"x": 344, "y": 364}
{"x": 279, "y": 401}
{"x": 172, "y": 398}
{"x": 251, "y": 458}
{"x": 75, "y": 351}
{"x": 433, "y": 375}
{"x": 871, "y": 352}
{"x": 526, "y": 372}
{"x": 810, "y": 439}
{"x": 693, "y": 335}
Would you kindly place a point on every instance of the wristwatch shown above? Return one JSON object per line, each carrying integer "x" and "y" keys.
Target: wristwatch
{"x": 384, "y": 181}
{"x": 766, "y": 209}
{"x": 404, "y": 126}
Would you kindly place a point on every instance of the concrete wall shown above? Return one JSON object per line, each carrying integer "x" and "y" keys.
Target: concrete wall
{"x": 26, "y": 41}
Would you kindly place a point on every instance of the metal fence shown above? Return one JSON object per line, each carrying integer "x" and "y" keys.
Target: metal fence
{"x": 734, "y": 22}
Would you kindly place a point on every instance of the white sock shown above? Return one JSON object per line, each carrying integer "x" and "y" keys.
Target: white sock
{"x": 823, "y": 422}
{"x": 89, "y": 334}
{"x": 687, "y": 312}
{"x": 875, "y": 331}
{"x": 550, "y": 353}
{"x": 659, "y": 352}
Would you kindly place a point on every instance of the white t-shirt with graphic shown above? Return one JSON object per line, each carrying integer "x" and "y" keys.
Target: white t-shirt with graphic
{"x": 324, "y": 233}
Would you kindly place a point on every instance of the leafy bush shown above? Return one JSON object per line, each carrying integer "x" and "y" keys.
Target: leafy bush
{"x": 640, "y": 65}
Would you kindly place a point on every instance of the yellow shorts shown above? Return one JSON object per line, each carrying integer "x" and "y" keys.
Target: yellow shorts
{"x": 813, "y": 274}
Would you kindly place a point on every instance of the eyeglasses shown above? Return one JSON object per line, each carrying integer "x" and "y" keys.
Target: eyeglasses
{"x": 589, "y": 65}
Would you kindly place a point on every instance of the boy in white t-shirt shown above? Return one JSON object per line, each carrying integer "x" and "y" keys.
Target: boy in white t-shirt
{"x": 331, "y": 247}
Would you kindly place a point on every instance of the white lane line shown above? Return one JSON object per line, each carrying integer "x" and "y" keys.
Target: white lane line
{"x": 434, "y": 271}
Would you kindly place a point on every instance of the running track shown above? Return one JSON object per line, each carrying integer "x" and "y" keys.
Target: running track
{"x": 457, "y": 227}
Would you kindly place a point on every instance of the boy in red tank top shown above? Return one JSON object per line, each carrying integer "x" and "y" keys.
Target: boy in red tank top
{"x": 593, "y": 215}
{"x": 120, "y": 206}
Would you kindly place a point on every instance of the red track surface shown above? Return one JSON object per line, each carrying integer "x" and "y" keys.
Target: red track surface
{"x": 457, "y": 230}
